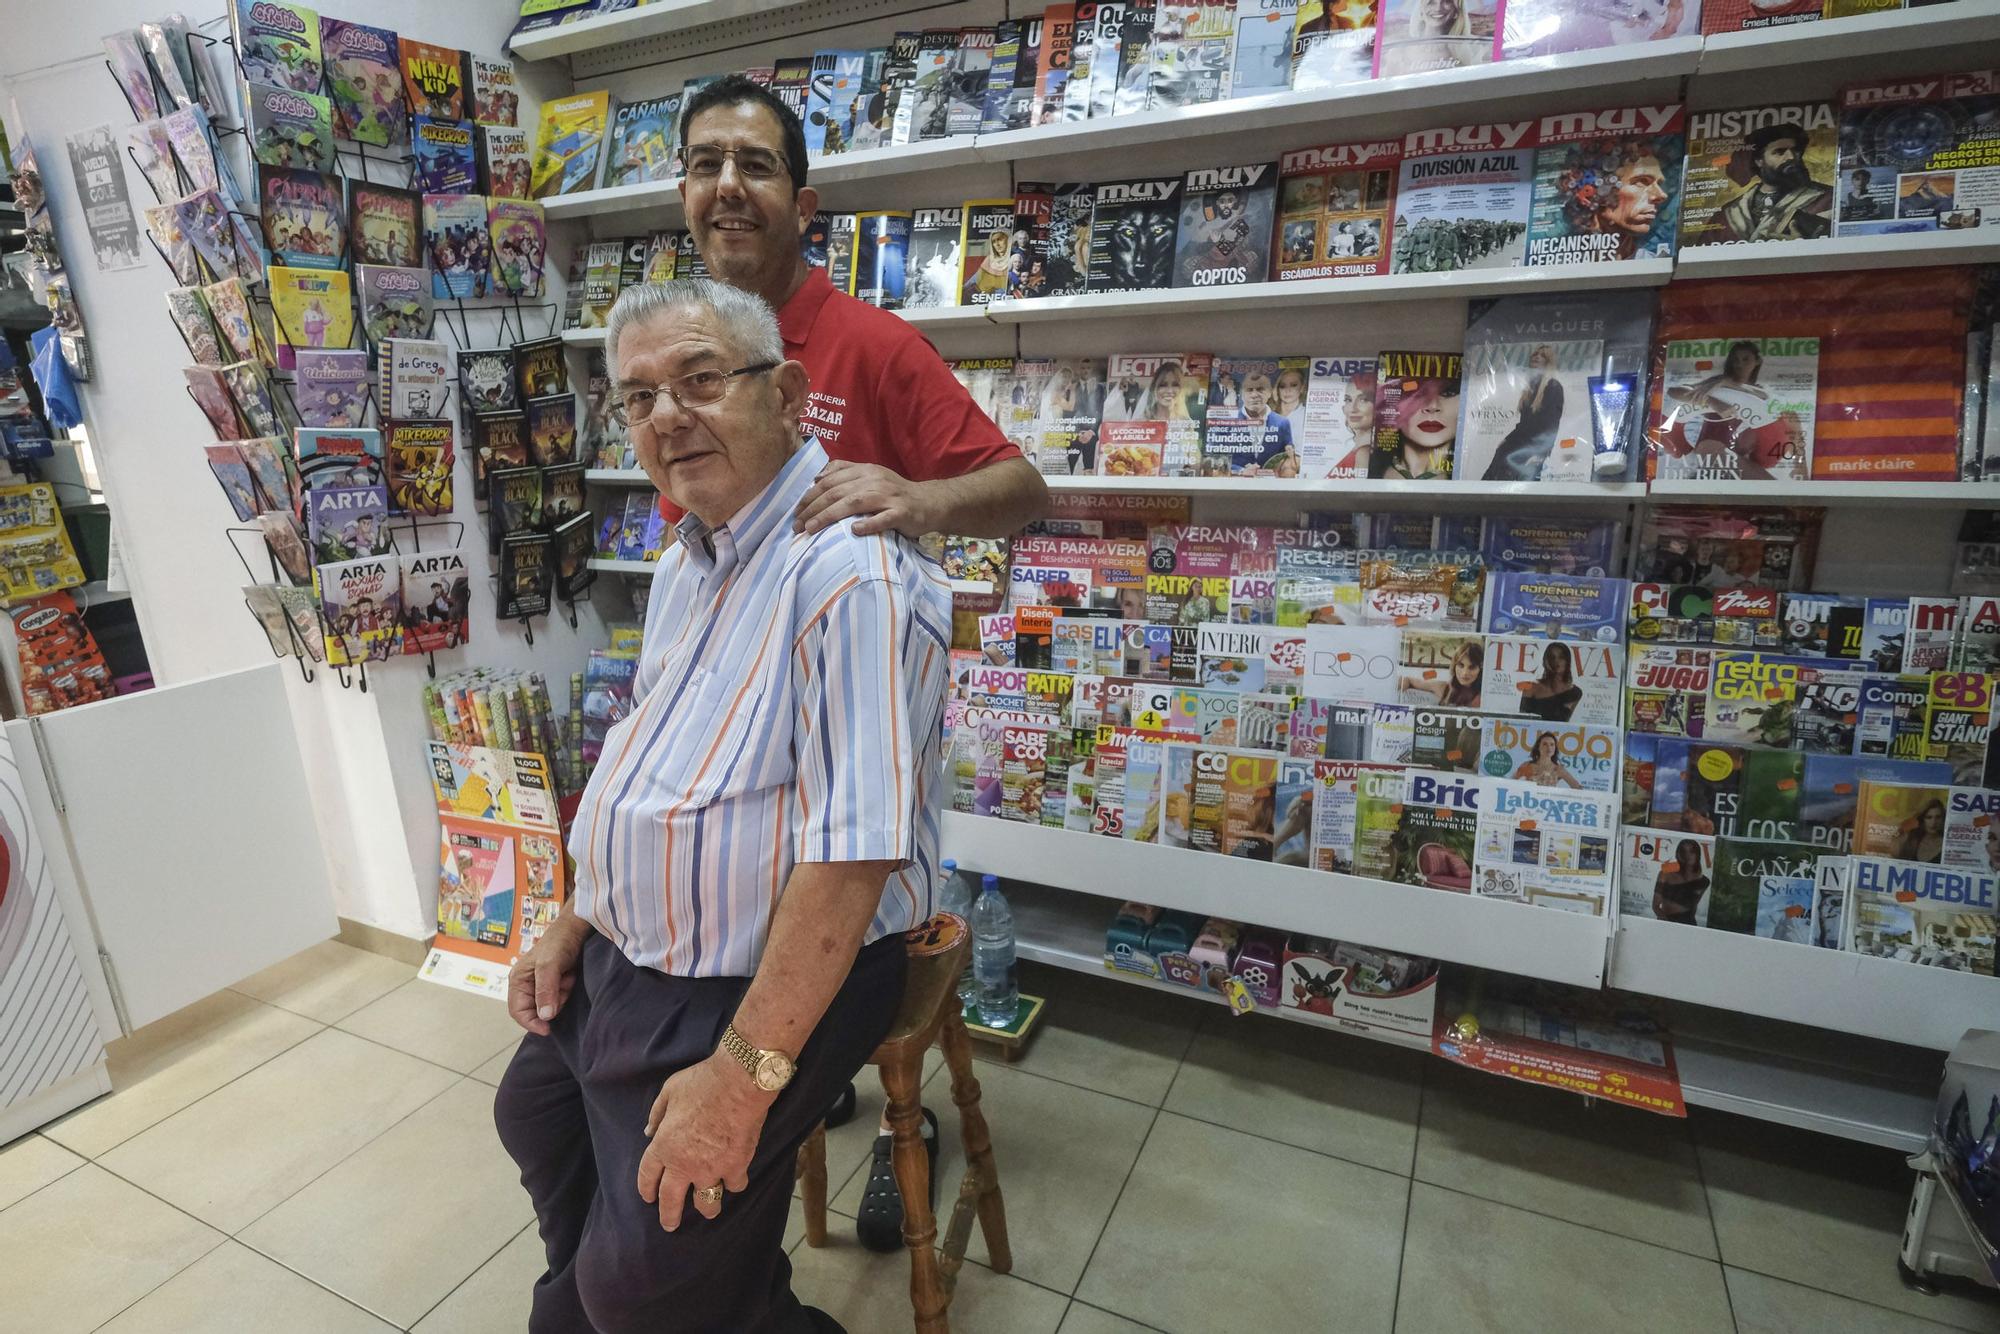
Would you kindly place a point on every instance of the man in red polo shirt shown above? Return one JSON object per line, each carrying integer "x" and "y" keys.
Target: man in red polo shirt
{"x": 910, "y": 449}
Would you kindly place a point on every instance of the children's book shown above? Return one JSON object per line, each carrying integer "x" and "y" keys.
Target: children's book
{"x": 572, "y": 541}
{"x": 486, "y": 380}
{"x": 419, "y": 461}
{"x": 525, "y": 575}
{"x": 190, "y": 315}
{"x": 364, "y": 70}
{"x": 457, "y": 244}
{"x": 552, "y": 429}
{"x": 416, "y": 378}
{"x": 446, "y": 161}
{"x": 520, "y": 244}
{"x": 499, "y": 440}
{"x": 277, "y": 43}
{"x": 328, "y": 457}
{"x": 361, "y": 601}
{"x": 290, "y": 129}
{"x": 311, "y": 308}
{"x": 287, "y": 544}
{"x": 437, "y": 601}
{"x": 233, "y": 475}
{"x": 262, "y": 412}
{"x": 516, "y": 495}
{"x": 345, "y": 522}
{"x": 496, "y": 93}
{"x": 504, "y": 161}
{"x": 562, "y": 494}
{"x": 301, "y": 217}
{"x": 384, "y": 225}
{"x": 395, "y": 302}
{"x": 267, "y": 460}
{"x": 331, "y": 386}
{"x": 542, "y": 366}
{"x": 567, "y": 141}
{"x": 642, "y": 145}
{"x": 434, "y": 80}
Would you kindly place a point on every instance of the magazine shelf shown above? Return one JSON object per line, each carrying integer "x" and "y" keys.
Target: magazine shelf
{"x": 623, "y": 566}
{"x": 1864, "y": 40}
{"x": 1973, "y": 246}
{"x": 618, "y": 476}
{"x": 946, "y": 317}
{"x": 1877, "y": 494}
{"x": 634, "y": 25}
{"x": 657, "y": 200}
{"x": 1802, "y": 984}
{"x": 1530, "y": 942}
{"x": 1369, "y": 490}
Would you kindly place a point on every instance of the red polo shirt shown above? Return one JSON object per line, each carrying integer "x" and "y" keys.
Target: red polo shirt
{"x": 879, "y": 391}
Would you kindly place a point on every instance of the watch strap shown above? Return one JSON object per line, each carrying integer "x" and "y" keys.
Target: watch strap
{"x": 737, "y": 1046}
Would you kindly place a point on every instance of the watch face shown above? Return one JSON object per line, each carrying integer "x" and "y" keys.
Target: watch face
{"x": 774, "y": 1072}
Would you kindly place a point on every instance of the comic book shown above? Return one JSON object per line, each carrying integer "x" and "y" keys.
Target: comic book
{"x": 932, "y": 270}
{"x": 526, "y": 575}
{"x": 263, "y": 413}
{"x": 486, "y": 382}
{"x": 496, "y": 93}
{"x": 1332, "y": 44}
{"x": 395, "y": 302}
{"x": 232, "y": 474}
{"x": 190, "y": 316}
{"x": 567, "y": 140}
{"x": 277, "y": 44}
{"x": 206, "y": 222}
{"x": 516, "y": 507}
{"x": 416, "y": 379}
{"x": 543, "y": 367}
{"x": 127, "y": 60}
{"x": 1416, "y": 414}
{"x": 163, "y": 224}
{"x": 1224, "y": 234}
{"x": 1463, "y": 198}
{"x": 1263, "y": 56}
{"x": 1733, "y": 408}
{"x": 1915, "y": 155}
{"x": 269, "y": 466}
{"x": 1760, "y": 174}
{"x": 287, "y": 545}
{"x": 1741, "y": 868}
{"x": 520, "y": 244}
{"x": 1411, "y": 38}
{"x": 328, "y": 457}
{"x": 447, "y": 162}
{"x": 1548, "y": 849}
{"x": 457, "y": 244}
{"x": 301, "y": 217}
{"x": 643, "y": 142}
{"x": 384, "y": 225}
{"x": 1054, "y": 237}
{"x": 361, "y": 601}
{"x": 552, "y": 429}
{"x": 434, "y": 80}
{"x": 437, "y": 600}
{"x": 1555, "y": 681}
{"x": 291, "y": 129}
{"x": 331, "y": 386}
{"x": 1666, "y": 876}
{"x": 419, "y": 460}
{"x": 313, "y": 309}
{"x": 1334, "y": 214}
{"x": 347, "y": 522}
{"x": 562, "y": 494}
{"x": 1933, "y": 915}
{"x": 504, "y": 161}
{"x": 985, "y": 249}
{"x": 499, "y": 440}
{"x": 1132, "y": 231}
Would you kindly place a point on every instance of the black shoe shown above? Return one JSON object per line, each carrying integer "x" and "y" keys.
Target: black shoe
{"x": 880, "y": 1224}
{"x": 842, "y": 1110}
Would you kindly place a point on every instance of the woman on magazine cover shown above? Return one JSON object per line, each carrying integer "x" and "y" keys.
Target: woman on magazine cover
{"x": 1459, "y": 688}
{"x": 1524, "y": 450}
{"x": 1923, "y": 840}
{"x": 1554, "y": 695}
{"x": 1543, "y": 766}
{"x": 1677, "y": 893}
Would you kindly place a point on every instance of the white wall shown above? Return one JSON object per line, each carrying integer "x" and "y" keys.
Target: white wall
{"x": 363, "y": 751}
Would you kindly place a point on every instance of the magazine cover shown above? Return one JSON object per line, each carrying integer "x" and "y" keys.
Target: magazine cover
{"x": 1054, "y": 236}
{"x": 1753, "y": 696}
{"x": 1911, "y": 155}
{"x": 395, "y": 302}
{"x": 1607, "y": 186}
{"x": 1823, "y": 625}
{"x": 437, "y": 601}
{"x": 1555, "y": 681}
{"x": 347, "y": 522}
{"x": 496, "y": 93}
{"x": 1785, "y": 908}
{"x": 1666, "y": 876}
{"x": 1463, "y": 198}
{"x": 552, "y": 429}
{"x": 1750, "y": 15}
{"x": 520, "y": 244}
{"x": 932, "y": 271}
{"x": 1547, "y": 545}
{"x": 1556, "y": 606}
{"x": 384, "y": 224}
{"x": 925, "y": 103}
{"x": 642, "y": 144}
{"x": 277, "y": 43}
{"x": 1191, "y": 54}
{"x": 1528, "y": 411}
{"x": 1415, "y": 37}
{"x": 1132, "y": 230}
{"x": 567, "y": 140}
{"x": 1760, "y": 174}
{"x": 446, "y": 163}
{"x": 1736, "y": 408}
{"x": 1416, "y": 414}
{"x": 1569, "y": 755}
{"x": 262, "y": 413}
{"x": 1378, "y": 803}
{"x": 1972, "y": 830}
{"x": 1075, "y": 103}
{"x": 1337, "y": 433}
{"x": 361, "y": 601}
{"x": 1697, "y": 787}
{"x": 1436, "y": 832}
{"x": 1531, "y": 28}
{"x": 419, "y": 459}
{"x": 985, "y": 249}
{"x": 543, "y": 367}
{"x": 1546, "y": 849}
{"x": 332, "y": 387}
{"x": 457, "y": 244}
{"x": 301, "y": 217}
{"x": 966, "y": 80}
{"x": 416, "y": 378}
{"x": 289, "y": 129}
{"x": 1154, "y": 406}
{"x": 312, "y": 308}
{"x": 1332, "y": 808}
{"x": 1224, "y": 235}
{"x": 486, "y": 380}
{"x": 1263, "y": 56}
{"x": 881, "y": 258}
{"x": 1447, "y": 740}
{"x": 1958, "y": 720}
{"x": 434, "y": 80}
{"x": 1933, "y": 915}
{"x": 1334, "y": 210}
{"x": 1244, "y": 435}
{"x": 1332, "y": 44}
{"x": 526, "y": 575}
{"x": 1010, "y": 83}
{"x": 1741, "y": 867}
{"x": 504, "y": 161}
{"x": 1929, "y": 635}
{"x": 328, "y": 457}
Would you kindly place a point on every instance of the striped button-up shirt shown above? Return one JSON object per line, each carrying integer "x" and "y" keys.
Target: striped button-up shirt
{"x": 787, "y": 708}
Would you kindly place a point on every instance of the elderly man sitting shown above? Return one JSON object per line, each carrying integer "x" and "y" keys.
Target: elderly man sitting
{"x": 757, "y": 837}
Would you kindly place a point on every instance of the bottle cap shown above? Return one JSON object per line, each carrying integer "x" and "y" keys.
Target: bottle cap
{"x": 949, "y": 866}
{"x": 989, "y": 882}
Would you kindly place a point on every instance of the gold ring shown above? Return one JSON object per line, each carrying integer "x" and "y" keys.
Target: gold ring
{"x": 709, "y": 1195}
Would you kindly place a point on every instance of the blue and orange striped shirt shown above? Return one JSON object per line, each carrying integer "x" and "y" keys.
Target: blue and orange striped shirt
{"x": 787, "y": 708}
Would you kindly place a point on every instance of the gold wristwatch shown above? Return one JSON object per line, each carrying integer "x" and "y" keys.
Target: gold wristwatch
{"x": 771, "y": 1069}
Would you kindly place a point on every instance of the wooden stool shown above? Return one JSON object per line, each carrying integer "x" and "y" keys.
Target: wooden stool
{"x": 929, "y": 1013}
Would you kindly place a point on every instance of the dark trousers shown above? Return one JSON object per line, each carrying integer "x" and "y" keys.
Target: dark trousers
{"x": 572, "y": 1111}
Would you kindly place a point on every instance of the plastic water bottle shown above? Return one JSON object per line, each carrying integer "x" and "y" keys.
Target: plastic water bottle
{"x": 993, "y": 955}
{"x": 956, "y": 896}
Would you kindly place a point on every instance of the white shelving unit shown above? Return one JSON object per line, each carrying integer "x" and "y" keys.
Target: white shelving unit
{"x": 623, "y": 566}
{"x": 1872, "y": 494}
{"x": 618, "y": 476}
{"x": 1861, "y": 40}
{"x": 1835, "y": 253}
{"x": 1361, "y": 490}
{"x": 1533, "y": 942}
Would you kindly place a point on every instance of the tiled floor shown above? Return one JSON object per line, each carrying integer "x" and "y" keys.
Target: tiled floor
{"x": 313, "y": 1152}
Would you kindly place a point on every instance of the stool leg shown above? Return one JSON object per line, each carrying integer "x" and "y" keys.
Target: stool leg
{"x": 902, "y": 1081}
{"x": 978, "y": 1144}
{"x": 812, "y": 1185}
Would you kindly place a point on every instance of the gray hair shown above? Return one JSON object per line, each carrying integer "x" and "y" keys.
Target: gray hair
{"x": 746, "y": 320}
